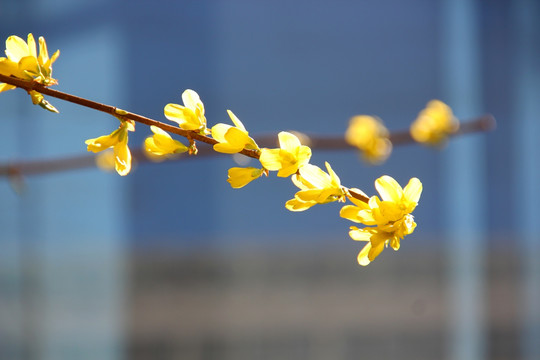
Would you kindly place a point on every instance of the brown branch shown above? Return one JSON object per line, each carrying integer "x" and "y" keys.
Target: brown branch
{"x": 111, "y": 110}
{"x": 483, "y": 123}
{"x": 480, "y": 124}
{"x": 36, "y": 167}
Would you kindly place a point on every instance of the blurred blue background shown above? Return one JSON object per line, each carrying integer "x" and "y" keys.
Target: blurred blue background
{"x": 171, "y": 263}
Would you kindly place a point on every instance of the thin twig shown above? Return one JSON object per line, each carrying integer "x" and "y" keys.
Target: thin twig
{"x": 45, "y": 166}
{"x": 37, "y": 167}
{"x": 114, "y": 111}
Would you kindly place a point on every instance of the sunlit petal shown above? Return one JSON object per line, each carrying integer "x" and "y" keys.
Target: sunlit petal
{"x": 236, "y": 121}
{"x": 363, "y": 255}
{"x": 413, "y": 190}
{"x": 240, "y": 177}
{"x": 16, "y": 48}
{"x": 388, "y": 188}
{"x": 270, "y": 159}
{"x": 288, "y": 141}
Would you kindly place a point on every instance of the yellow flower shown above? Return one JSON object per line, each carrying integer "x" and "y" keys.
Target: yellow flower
{"x": 389, "y": 219}
{"x": 316, "y": 187}
{"x": 24, "y": 62}
{"x": 370, "y": 136}
{"x": 240, "y": 177}
{"x": 191, "y": 115}
{"x": 118, "y": 140}
{"x": 232, "y": 139}
{"x": 434, "y": 124}
{"x": 161, "y": 144}
{"x": 289, "y": 158}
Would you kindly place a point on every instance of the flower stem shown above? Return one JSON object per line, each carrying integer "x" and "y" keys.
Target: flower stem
{"x": 111, "y": 110}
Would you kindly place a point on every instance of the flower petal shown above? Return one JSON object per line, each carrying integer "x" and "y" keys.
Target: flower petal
{"x": 43, "y": 52}
{"x": 236, "y": 121}
{"x": 350, "y": 212}
{"x": 390, "y": 211}
{"x": 413, "y": 190}
{"x": 8, "y": 67}
{"x": 270, "y": 159}
{"x": 303, "y": 156}
{"x": 239, "y": 177}
{"x": 162, "y": 144}
{"x": 53, "y": 58}
{"x": 315, "y": 176}
{"x": 333, "y": 176}
{"x": 192, "y": 100}
{"x": 29, "y": 64}
{"x": 227, "y": 148}
{"x": 288, "y": 141}
{"x": 102, "y": 143}
{"x": 237, "y": 137}
{"x": 311, "y": 195}
{"x": 375, "y": 250}
{"x": 219, "y": 130}
{"x": 16, "y": 48}
{"x": 298, "y": 205}
{"x": 174, "y": 112}
{"x": 31, "y": 45}
{"x": 287, "y": 170}
{"x": 363, "y": 258}
{"x": 389, "y": 189}
{"x": 122, "y": 158}
{"x": 359, "y": 234}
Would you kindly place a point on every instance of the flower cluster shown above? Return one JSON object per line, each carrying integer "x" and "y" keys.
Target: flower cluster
{"x": 24, "y": 62}
{"x": 434, "y": 124}
{"x": 316, "y": 187}
{"x": 118, "y": 140}
{"x": 191, "y": 115}
{"x": 432, "y": 127}
{"x": 387, "y": 219}
{"x": 162, "y": 145}
{"x": 370, "y": 136}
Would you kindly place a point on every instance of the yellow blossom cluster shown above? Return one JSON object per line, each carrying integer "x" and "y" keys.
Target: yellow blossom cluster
{"x": 162, "y": 145}
{"x": 434, "y": 124}
{"x": 370, "y": 136}
{"x": 387, "y": 219}
{"x": 432, "y": 127}
{"x": 24, "y": 62}
{"x": 316, "y": 187}
{"x": 118, "y": 140}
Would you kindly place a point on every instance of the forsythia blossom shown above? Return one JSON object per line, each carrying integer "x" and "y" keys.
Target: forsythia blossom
{"x": 290, "y": 157}
{"x": 434, "y": 124}
{"x": 191, "y": 115}
{"x": 232, "y": 139}
{"x": 118, "y": 140}
{"x": 370, "y": 136}
{"x": 388, "y": 220}
{"x": 161, "y": 144}
{"x": 24, "y": 62}
{"x": 316, "y": 187}
{"x": 240, "y": 177}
